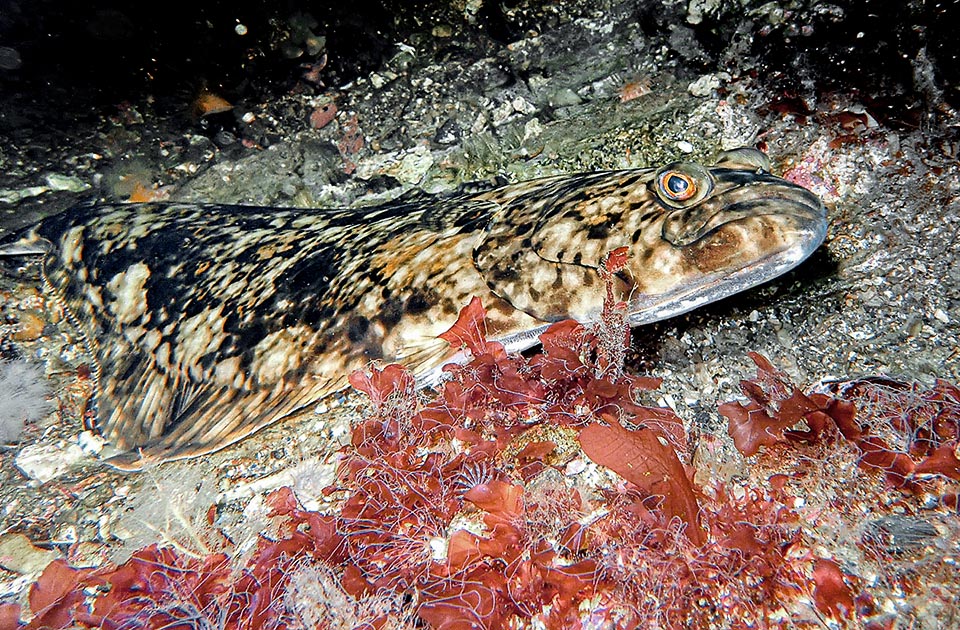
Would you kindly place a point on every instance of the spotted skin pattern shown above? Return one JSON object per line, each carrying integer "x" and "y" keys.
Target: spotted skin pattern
{"x": 206, "y": 323}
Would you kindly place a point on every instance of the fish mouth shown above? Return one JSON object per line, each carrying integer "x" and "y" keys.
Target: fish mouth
{"x": 793, "y": 215}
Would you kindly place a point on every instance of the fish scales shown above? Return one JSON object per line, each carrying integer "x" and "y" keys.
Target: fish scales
{"x": 207, "y": 322}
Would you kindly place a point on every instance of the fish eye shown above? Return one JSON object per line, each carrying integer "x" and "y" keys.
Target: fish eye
{"x": 677, "y": 186}
{"x": 682, "y": 184}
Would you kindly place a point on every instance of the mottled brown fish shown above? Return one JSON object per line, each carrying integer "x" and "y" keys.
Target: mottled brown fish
{"x": 207, "y": 323}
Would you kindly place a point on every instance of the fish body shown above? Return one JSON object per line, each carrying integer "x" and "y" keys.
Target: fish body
{"x": 206, "y": 323}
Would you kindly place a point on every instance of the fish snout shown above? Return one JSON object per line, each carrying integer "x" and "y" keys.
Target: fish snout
{"x": 730, "y": 242}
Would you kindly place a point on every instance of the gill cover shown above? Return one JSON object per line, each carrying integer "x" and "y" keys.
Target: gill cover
{"x": 541, "y": 250}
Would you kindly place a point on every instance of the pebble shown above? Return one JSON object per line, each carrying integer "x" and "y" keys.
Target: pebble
{"x": 19, "y": 555}
{"x": 502, "y": 113}
{"x": 564, "y": 97}
{"x": 705, "y": 85}
{"x": 43, "y": 462}
{"x": 523, "y": 106}
{"x": 13, "y": 196}
{"x": 532, "y": 129}
{"x": 408, "y": 167}
{"x": 56, "y": 181}
{"x": 321, "y": 116}
{"x": 29, "y": 326}
{"x": 699, "y": 9}
{"x": 575, "y": 467}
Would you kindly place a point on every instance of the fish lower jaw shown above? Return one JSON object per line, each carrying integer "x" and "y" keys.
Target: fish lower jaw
{"x": 647, "y": 309}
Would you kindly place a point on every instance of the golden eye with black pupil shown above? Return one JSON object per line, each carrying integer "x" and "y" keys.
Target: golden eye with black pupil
{"x": 677, "y": 186}
{"x": 681, "y": 184}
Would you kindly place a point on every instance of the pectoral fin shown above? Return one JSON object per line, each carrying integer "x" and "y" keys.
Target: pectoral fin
{"x": 166, "y": 415}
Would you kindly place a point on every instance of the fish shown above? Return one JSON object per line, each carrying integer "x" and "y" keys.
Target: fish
{"x": 205, "y": 323}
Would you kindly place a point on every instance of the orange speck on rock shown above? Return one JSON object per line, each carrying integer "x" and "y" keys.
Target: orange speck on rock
{"x": 634, "y": 89}
{"x": 208, "y": 103}
{"x": 141, "y": 193}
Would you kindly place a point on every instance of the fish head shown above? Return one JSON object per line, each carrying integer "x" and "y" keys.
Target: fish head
{"x": 719, "y": 231}
{"x": 694, "y": 235}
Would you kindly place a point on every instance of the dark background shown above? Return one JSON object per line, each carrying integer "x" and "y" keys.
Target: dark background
{"x": 71, "y": 59}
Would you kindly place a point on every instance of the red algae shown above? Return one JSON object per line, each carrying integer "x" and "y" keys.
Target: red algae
{"x": 451, "y": 517}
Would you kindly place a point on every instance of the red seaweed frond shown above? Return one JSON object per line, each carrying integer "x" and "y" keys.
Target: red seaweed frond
{"x": 900, "y": 430}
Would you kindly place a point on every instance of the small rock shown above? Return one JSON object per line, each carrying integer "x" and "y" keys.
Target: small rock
{"x": 413, "y": 165}
{"x": 575, "y": 467}
{"x": 564, "y": 97}
{"x": 442, "y": 31}
{"x": 502, "y": 113}
{"x": 698, "y": 9}
{"x": 532, "y": 129}
{"x": 479, "y": 124}
{"x": 408, "y": 167}
{"x": 29, "y": 326}
{"x": 941, "y": 315}
{"x": 19, "y": 555}
{"x": 65, "y": 533}
{"x": 705, "y": 85}
{"x": 523, "y": 106}
{"x": 322, "y": 115}
{"x": 13, "y": 196}
{"x": 684, "y": 146}
{"x": 43, "y": 462}
{"x": 69, "y": 183}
